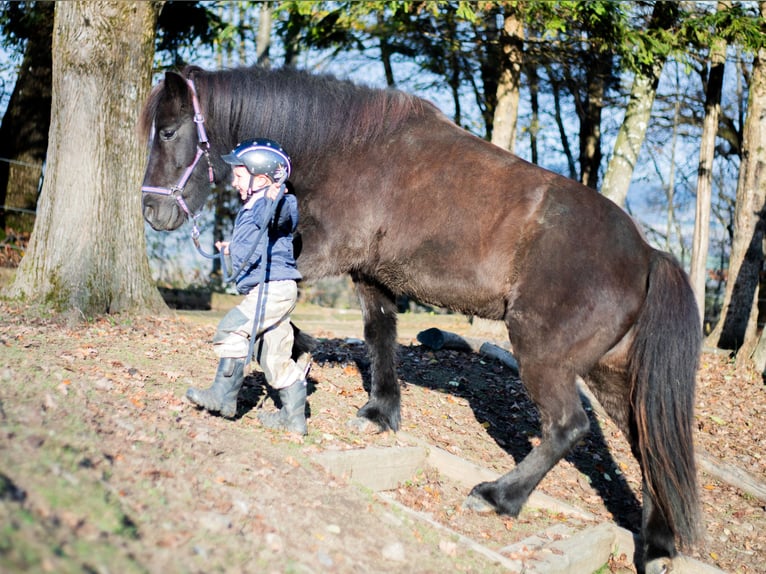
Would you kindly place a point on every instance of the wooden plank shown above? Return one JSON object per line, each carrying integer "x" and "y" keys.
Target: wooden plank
{"x": 377, "y": 468}
{"x": 469, "y": 474}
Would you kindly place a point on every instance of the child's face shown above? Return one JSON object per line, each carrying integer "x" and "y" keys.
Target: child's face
{"x": 241, "y": 181}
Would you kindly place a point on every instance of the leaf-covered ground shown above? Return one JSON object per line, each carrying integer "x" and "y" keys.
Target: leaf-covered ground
{"x": 105, "y": 467}
{"x": 473, "y": 408}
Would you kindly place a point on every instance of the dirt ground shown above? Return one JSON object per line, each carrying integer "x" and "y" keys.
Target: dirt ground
{"x": 104, "y": 467}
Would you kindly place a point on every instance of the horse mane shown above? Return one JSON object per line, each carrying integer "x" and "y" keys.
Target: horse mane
{"x": 149, "y": 111}
{"x": 310, "y": 111}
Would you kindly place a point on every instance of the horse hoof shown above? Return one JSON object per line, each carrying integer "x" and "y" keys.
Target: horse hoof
{"x": 364, "y": 426}
{"x": 659, "y": 566}
{"x": 384, "y": 418}
{"x": 477, "y": 504}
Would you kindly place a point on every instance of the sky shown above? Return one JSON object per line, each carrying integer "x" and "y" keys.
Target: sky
{"x": 362, "y": 68}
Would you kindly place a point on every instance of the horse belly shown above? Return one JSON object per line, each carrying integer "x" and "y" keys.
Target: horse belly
{"x": 450, "y": 275}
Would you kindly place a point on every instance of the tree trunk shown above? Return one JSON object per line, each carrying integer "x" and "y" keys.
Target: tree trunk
{"x": 630, "y": 137}
{"x": 698, "y": 274}
{"x": 670, "y": 190}
{"x": 739, "y": 315}
{"x": 632, "y": 132}
{"x": 87, "y": 252}
{"x": 534, "y": 104}
{"x": 24, "y": 130}
{"x": 507, "y": 106}
{"x": 590, "y": 119}
{"x": 386, "y": 51}
{"x": 556, "y": 89}
{"x": 453, "y": 71}
{"x": 263, "y": 39}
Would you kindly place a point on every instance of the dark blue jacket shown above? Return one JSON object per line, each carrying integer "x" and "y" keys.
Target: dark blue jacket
{"x": 279, "y": 240}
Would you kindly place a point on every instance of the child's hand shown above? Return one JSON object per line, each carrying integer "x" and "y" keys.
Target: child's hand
{"x": 222, "y": 246}
{"x": 273, "y": 191}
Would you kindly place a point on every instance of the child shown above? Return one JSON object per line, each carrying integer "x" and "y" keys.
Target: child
{"x": 260, "y": 167}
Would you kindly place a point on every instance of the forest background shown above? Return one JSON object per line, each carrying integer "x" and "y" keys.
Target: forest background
{"x": 659, "y": 105}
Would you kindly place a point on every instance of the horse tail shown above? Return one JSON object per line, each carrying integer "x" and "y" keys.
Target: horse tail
{"x": 302, "y": 342}
{"x": 662, "y": 368}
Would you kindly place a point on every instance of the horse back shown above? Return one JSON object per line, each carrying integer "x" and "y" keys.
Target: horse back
{"x": 428, "y": 212}
{"x": 438, "y": 214}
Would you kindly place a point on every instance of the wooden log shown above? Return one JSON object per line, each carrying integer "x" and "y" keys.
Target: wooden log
{"x": 499, "y": 354}
{"x": 732, "y": 475}
{"x": 437, "y": 339}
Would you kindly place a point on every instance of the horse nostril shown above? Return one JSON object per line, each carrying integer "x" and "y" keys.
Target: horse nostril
{"x": 148, "y": 212}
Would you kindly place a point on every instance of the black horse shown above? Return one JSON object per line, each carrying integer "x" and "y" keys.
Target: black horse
{"x": 406, "y": 202}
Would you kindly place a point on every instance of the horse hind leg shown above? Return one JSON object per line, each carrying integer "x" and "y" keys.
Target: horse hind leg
{"x": 659, "y": 547}
{"x": 379, "y": 315}
{"x": 609, "y": 384}
{"x": 658, "y": 542}
{"x": 564, "y": 423}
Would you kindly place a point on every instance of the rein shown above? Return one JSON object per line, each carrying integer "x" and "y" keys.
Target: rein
{"x": 203, "y": 149}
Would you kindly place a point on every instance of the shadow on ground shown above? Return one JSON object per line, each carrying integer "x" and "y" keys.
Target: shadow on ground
{"x": 497, "y": 399}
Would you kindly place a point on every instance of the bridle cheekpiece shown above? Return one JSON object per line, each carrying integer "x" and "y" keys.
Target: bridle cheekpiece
{"x": 203, "y": 149}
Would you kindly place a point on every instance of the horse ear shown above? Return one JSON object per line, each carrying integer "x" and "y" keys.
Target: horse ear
{"x": 177, "y": 89}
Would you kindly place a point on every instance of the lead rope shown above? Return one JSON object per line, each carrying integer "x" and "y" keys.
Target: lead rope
{"x": 176, "y": 191}
{"x": 260, "y": 303}
{"x": 229, "y": 277}
{"x": 261, "y": 283}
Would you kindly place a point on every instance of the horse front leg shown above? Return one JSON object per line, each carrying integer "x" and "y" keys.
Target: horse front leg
{"x": 379, "y": 315}
{"x": 564, "y": 423}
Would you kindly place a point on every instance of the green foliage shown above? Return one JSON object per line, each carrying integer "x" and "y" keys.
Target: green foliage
{"x": 20, "y": 19}
{"x": 601, "y": 22}
{"x": 346, "y": 25}
{"x": 318, "y": 25}
{"x": 416, "y": 29}
{"x": 647, "y": 43}
{"x": 182, "y": 24}
{"x": 739, "y": 24}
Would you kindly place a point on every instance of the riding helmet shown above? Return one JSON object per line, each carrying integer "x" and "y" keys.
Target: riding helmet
{"x": 261, "y": 156}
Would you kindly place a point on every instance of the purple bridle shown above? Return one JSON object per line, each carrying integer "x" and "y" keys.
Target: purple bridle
{"x": 203, "y": 149}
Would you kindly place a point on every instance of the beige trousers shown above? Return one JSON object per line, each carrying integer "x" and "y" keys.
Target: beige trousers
{"x": 273, "y": 349}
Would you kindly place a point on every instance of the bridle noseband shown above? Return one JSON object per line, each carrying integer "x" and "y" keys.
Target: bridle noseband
{"x": 203, "y": 149}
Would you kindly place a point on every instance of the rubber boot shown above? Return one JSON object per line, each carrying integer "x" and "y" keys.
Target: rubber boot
{"x": 292, "y": 416}
{"x": 222, "y": 395}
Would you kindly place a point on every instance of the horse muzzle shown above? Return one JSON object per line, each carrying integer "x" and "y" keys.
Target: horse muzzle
{"x": 163, "y": 213}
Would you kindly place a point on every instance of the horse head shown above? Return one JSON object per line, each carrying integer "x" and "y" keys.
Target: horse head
{"x": 174, "y": 185}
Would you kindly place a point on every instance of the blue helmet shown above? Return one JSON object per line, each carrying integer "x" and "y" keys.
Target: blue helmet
{"x": 261, "y": 157}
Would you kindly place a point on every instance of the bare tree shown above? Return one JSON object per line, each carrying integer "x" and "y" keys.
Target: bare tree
{"x": 630, "y": 138}
{"x": 738, "y": 324}
{"x": 507, "y": 107}
{"x": 87, "y": 250}
{"x": 698, "y": 273}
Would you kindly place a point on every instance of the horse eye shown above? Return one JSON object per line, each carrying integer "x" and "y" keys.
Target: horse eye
{"x": 167, "y": 134}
